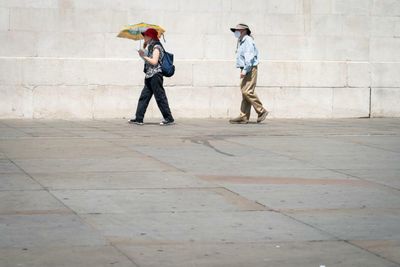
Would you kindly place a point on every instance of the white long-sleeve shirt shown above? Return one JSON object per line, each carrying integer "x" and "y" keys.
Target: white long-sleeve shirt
{"x": 246, "y": 54}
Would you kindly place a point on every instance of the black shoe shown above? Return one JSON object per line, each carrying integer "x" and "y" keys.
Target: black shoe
{"x": 167, "y": 122}
{"x": 135, "y": 121}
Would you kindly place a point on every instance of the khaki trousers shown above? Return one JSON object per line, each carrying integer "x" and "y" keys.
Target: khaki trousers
{"x": 249, "y": 97}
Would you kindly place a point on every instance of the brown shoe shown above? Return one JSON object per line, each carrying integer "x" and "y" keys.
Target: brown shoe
{"x": 239, "y": 120}
{"x": 262, "y": 116}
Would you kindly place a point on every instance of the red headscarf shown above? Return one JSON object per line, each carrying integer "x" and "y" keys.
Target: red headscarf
{"x": 152, "y": 33}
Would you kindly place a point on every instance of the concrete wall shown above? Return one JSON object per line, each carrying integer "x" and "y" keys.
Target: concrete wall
{"x": 319, "y": 58}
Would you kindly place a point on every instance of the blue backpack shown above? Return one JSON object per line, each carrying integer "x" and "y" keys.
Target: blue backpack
{"x": 167, "y": 63}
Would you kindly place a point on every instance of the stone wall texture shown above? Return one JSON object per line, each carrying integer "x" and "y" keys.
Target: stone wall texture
{"x": 319, "y": 58}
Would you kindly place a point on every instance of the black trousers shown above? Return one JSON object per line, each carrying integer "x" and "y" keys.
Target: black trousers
{"x": 153, "y": 85}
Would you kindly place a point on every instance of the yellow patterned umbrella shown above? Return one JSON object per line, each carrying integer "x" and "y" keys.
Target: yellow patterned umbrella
{"x": 134, "y": 32}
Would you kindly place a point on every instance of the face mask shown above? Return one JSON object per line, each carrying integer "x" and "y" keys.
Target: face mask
{"x": 237, "y": 34}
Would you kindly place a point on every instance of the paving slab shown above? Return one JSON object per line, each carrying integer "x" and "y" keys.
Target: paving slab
{"x": 288, "y": 254}
{"x": 154, "y": 200}
{"x": 354, "y": 224}
{"x": 70, "y": 124}
{"x": 46, "y": 230}
{"x": 141, "y": 163}
{"x": 256, "y": 226}
{"x": 7, "y": 166}
{"x": 294, "y": 145}
{"x": 389, "y": 143}
{"x": 99, "y": 124}
{"x": 299, "y": 194}
{"x": 386, "y": 176}
{"x": 30, "y": 202}
{"x": 327, "y": 153}
{"x": 10, "y": 133}
{"x": 61, "y": 148}
{"x": 76, "y": 256}
{"x": 388, "y": 249}
{"x": 94, "y": 133}
{"x": 47, "y": 132}
{"x": 206, "y": 155}
{"x": 120, "y": 180}
{"x": 23, "y": 123}
{"x": 275, "y": 174}
{"x": 359, "y": 160}
{"x": 17, "y": 181}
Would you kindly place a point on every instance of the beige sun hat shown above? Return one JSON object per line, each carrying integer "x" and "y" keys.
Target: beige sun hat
{"x": 241, "y": 26}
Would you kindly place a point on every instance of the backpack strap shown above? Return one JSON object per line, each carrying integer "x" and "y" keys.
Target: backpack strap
{"x": 162, "y": 47}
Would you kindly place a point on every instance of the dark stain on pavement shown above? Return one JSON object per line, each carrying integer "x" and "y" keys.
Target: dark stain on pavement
{"x": 205, "y": 141}
{"x": 208, "y": 144}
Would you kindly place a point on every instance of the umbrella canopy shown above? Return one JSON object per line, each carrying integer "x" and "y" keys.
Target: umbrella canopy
{"x": 134, "y": 32}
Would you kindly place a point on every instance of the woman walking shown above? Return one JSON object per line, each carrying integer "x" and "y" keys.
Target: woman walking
{"x": 153, "y": 82}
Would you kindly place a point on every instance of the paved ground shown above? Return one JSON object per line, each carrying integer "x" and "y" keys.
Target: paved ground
{"x": 200, "y": 193}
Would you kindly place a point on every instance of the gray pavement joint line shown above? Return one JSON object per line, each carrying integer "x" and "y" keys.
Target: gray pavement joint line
{"x": 309, "y": 225}
{"x": 22, "y": 190}
{"x": 372, "y": 252}
{"x": 115, "y": 246}
{"x": 241, "y": 211}
{"x": 366, "y": 180}
{"x": 376, "y": 147}
{"x": 72, "y": 211}
{"x": 325, "y": 135}
{"x": 131, "y": 189}
{"x": 266, "y": 208}
{"x": 328, "y": 210}
{"x": 371, "y": 146}
{"x": 240, "y": 201}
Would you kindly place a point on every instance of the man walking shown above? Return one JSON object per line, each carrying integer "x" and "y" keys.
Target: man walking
{"x": 247, "y": 61}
